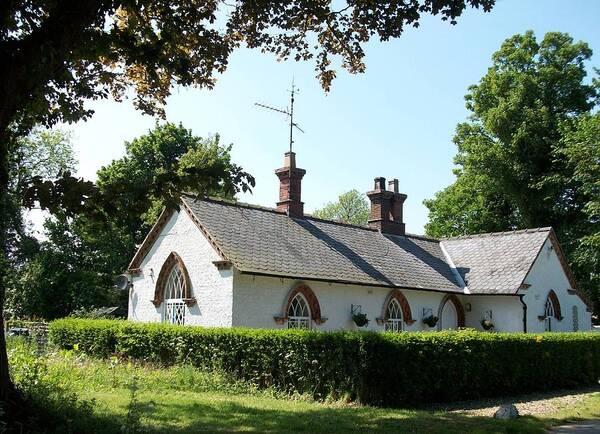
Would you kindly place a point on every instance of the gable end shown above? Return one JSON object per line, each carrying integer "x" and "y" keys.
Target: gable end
{"x": 146, "y": 245}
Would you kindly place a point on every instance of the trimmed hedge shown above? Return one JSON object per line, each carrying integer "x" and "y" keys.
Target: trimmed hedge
{"x": 375, "y": 368}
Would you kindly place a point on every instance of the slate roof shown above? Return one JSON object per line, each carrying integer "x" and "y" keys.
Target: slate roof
{"x": 495, "y": 263}
{"x": 265, "y": 241}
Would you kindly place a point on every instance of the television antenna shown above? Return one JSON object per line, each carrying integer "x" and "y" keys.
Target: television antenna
{"x": 288, "y": 112}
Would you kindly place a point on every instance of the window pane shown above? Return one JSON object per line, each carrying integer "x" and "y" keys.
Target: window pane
{"x": 175, "y": 313}
{"x": 175, "y": 284}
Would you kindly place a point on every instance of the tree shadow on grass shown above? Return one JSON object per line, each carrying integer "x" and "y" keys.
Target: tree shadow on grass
{"x": 232, "y": 416}
{"x": 64, "y": 419}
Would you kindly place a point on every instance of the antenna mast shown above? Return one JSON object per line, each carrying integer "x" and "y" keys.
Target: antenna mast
{"x": 292, "y": 91}
{"x": 289, "y": 113}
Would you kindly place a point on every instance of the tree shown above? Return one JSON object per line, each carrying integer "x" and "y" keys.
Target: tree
{"x": 41, "y": 155}
{"x": 158, "y": 166}
{"x": 351, "y": 207}
{"x": 581, "y": 147}
{"x": 73, "y": 269}
{"x": 517, "y": 164}
{"x": 57, "y": 54}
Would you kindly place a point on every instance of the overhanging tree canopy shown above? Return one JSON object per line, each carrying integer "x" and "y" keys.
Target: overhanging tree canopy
{"x": 56, "y": 54}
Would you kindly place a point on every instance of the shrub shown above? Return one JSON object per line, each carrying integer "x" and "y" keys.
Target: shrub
{"x": 96, "y": 337}
{"x": 375, "y": 368}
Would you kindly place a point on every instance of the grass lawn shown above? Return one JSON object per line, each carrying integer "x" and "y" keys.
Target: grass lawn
{"x": 142, "y": 398}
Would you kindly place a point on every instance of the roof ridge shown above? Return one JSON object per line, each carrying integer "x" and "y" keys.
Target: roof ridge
{"x": 273, "y": 210}
{"x": 352, "y": 225}
{"x": 498, "y": 234}
{"x": 306, "y": 216}
{"x": 230, "y": 202}
{"x": 418, "y": 237}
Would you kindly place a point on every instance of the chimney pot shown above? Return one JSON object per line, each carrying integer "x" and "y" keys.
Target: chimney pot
{"x": 289, "y": 160}
{"x": 393, "y": 185}
{"x": 380, "y": 183}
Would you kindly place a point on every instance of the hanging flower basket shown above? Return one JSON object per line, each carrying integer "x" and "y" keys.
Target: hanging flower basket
{"x": 487, "y": 324}
{"x": 360, "y": 319}
{"x": 430, "y": 320}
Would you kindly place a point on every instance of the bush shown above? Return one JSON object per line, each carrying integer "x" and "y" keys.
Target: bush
{"x": 375, "y": 368}
{"x": 96, "y": 337}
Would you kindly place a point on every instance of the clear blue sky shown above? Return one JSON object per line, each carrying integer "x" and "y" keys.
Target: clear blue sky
{"x": 396, "y": 120}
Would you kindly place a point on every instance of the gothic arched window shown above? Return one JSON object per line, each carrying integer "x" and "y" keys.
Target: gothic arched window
{"x": 396, "y": 312}
{"x": 174, "y": 297}
{"x": 173, "y": 290}
{"x": 393, "y": 314}
{"x": 551, "y": 311}
{"x": 301, "y": 309}
{"x": 298, "y": 313}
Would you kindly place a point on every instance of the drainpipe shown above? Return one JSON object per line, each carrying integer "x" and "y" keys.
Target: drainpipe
{"x": 524, "y": 313}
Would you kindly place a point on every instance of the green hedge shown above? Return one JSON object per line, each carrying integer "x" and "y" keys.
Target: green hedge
{"x": 375, "y": 368}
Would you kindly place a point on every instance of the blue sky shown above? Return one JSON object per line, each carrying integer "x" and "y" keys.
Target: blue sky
{"x": 396, "y": 120}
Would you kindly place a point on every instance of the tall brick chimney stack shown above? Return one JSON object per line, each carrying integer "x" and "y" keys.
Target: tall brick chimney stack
{"x": 386, "y": 207}
{"x": 290, "y": 187}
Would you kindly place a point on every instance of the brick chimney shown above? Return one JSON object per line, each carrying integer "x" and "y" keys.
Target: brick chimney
{"x": 290, "y": 186}
{"x": 386, "y": 207}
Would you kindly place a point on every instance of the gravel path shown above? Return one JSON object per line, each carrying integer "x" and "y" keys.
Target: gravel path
{"x": 590, "y": 427}
{"x": 532, "y": 404}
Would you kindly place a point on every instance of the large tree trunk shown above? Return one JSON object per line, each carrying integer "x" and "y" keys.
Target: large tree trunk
{"x": 11, "y": 398}
{"x": 6, "y": 386}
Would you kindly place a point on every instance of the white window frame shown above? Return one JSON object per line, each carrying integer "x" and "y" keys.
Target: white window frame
{"x": 296, "y": 321}
{"x": 575, "y": 312}
{"x": 394, "y": 320}
{"x": 174, "y": 307}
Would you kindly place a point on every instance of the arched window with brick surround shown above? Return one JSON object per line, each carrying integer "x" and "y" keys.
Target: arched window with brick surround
{"x": 396, "y": 312}
{"x": 173, "y": 290}
{"x": 301, "y": 309}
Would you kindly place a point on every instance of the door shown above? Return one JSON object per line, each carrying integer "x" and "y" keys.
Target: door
{"x": 449, "y": 317}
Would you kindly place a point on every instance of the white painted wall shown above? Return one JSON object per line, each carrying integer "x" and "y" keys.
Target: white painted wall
{"x": 547, "y": 274}
{"x": 507, "y": 312}
{"x": 211, "y": 287}
{"x": 257, "y": 299}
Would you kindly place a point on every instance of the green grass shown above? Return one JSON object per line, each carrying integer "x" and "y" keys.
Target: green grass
{"x": 184, "y": 399}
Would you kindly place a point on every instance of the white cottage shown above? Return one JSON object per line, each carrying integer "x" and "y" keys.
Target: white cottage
{"x": 220, "y": 264}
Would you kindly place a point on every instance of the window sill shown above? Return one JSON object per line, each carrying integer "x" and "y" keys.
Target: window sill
{"x": 190, "y": 301}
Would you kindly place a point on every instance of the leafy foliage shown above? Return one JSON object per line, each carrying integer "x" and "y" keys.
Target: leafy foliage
{"x": 351, "y": 207}
{"x": 375, "y": 368}
{"x": 70, "y": 271}
{"x": 517, "y": 162}
{"x": 158, "y": 167}
{"x": 581, "y": 147}
{"x": 42, "y": 155}
{"x": 94, "y": 49}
